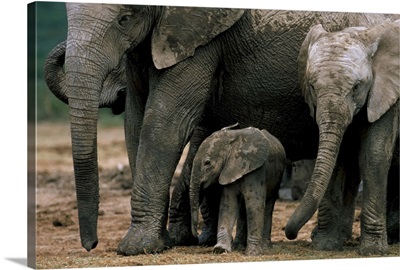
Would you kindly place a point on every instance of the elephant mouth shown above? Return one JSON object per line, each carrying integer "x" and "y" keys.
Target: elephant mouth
{"x": 118, "y": 106}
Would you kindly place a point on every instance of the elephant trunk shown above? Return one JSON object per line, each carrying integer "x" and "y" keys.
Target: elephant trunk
{"x": 194, "y": 194}
{"x": 84, "y": 80}
{"x": 333, "y": 117}
{"x": 84, "y": 152}
{"x": 53, "y": 72}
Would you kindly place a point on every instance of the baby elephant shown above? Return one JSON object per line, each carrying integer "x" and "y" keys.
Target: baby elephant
{"x": 249, "y": 164}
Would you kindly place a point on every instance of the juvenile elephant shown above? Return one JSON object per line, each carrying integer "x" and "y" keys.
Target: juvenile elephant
{"x": 210, "y": 66}
{"x": 350, "y": 81}
{"x": 249, "y": 164}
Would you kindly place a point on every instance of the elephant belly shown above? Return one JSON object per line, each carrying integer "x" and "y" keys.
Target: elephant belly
{"x": 281, "y": 112}
{"x": 259, "y": 87}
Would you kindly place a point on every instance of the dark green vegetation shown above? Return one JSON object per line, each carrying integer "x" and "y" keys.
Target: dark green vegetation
{"x": 51, "y": 29}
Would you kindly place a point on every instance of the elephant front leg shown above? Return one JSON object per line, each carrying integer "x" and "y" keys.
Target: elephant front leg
{"x": 173, "y": 109}
{"x": 179, "y": 226}
{"x": 228, "y": 212}
{"x": 375, "y": 159}
{"x": 155, "y": 166}
{"x": 336, "y": 211}
{"x": 393, "y": 203}
{"x": 210, "y": 211}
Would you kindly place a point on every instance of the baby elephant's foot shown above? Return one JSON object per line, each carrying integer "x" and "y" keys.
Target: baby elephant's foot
{"x": 327, "y": 241}
{"x": 208, "y": 237}
{"x": 253, "y": 250}
{"x": 181, "y": 235}
{"x": 221, "y": 248}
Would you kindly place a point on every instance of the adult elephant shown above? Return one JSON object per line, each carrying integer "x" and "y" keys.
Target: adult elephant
{"x": 350, "y": 80}
{"x": 208, "y": 66}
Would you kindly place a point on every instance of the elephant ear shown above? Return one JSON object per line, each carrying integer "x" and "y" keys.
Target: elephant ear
{"x": 181, "y": 30}
{"x": 313, "y": 35}
{"x": 247, "y": 152}
{"x": 384, "y": 43}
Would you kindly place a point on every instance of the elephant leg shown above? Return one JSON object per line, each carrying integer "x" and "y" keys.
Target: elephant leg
{"x": 228, "y": 212}
{"x": 336, "y": 211}
{"x": 375, "y": 160}
{"x": 254, "y": 194}
{"x": 209, "y": 209}
{"x": 269, "y": 208}
{"x": 393, "y": 203}
{"x": 179, "y": 212}
{"x": 240, "y": 241}
{"x": 134, "y": 110}
{"x": 173, "y": 109}
{"x": 327, "y": 234}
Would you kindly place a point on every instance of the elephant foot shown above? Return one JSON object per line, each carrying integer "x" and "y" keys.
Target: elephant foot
{"x": 266, "y": 245}
{"x": 321, "y": 241}
{"x": 392, "y": 224}
{"x": 393, "y": 239}
{"x": 253, "y": 250}
{"x": 221, "y": 248}
{"x": 373, "y": 245}
{"x": 208, "y": 236}
{"x": 239, "y": 244}
{"x": 140, "y": 241}
{"x": 181, "y": 235}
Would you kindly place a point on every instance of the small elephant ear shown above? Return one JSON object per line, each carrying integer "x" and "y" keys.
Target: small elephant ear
{"x": 181, "y": 30}
{"x": 247, "y": 152}
{"x": 315, "y": 32}
{"x": 384, "y": 41}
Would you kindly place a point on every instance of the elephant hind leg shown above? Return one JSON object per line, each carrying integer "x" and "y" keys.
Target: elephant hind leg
{"x": 254, "y": 193}
{"x": 240, "y": 241}
{"x": 269, "y": 208}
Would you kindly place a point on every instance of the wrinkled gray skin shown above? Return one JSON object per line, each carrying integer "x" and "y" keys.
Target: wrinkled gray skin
{"x": 202, "y": 65}
{"x": 249, "y": 164}
{"x": 350, "y": 80}
{"x": 113, "y": 91}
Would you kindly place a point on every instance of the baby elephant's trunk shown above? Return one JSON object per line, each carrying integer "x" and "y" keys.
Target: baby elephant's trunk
{"x": 194, "y": 203}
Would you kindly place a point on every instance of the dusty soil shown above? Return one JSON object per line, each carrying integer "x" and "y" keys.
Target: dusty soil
{"x": 58, "y": 244}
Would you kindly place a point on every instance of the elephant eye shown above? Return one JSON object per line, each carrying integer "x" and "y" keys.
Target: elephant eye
{"x": 124, "y": 19}
{"x": 356, "y": 90}
{"x": 207, "y": 162}
{"x": 312, "y": 91}
{"x": 356, "y": 86}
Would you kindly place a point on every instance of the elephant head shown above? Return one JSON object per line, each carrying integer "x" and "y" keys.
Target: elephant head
{"x": 224, "y": 157}
{"x": 340, "y": 73}
{"x": 99, "y": 35}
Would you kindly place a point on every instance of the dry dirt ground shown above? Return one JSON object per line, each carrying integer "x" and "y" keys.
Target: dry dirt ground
{"x": 57, "y": 236}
